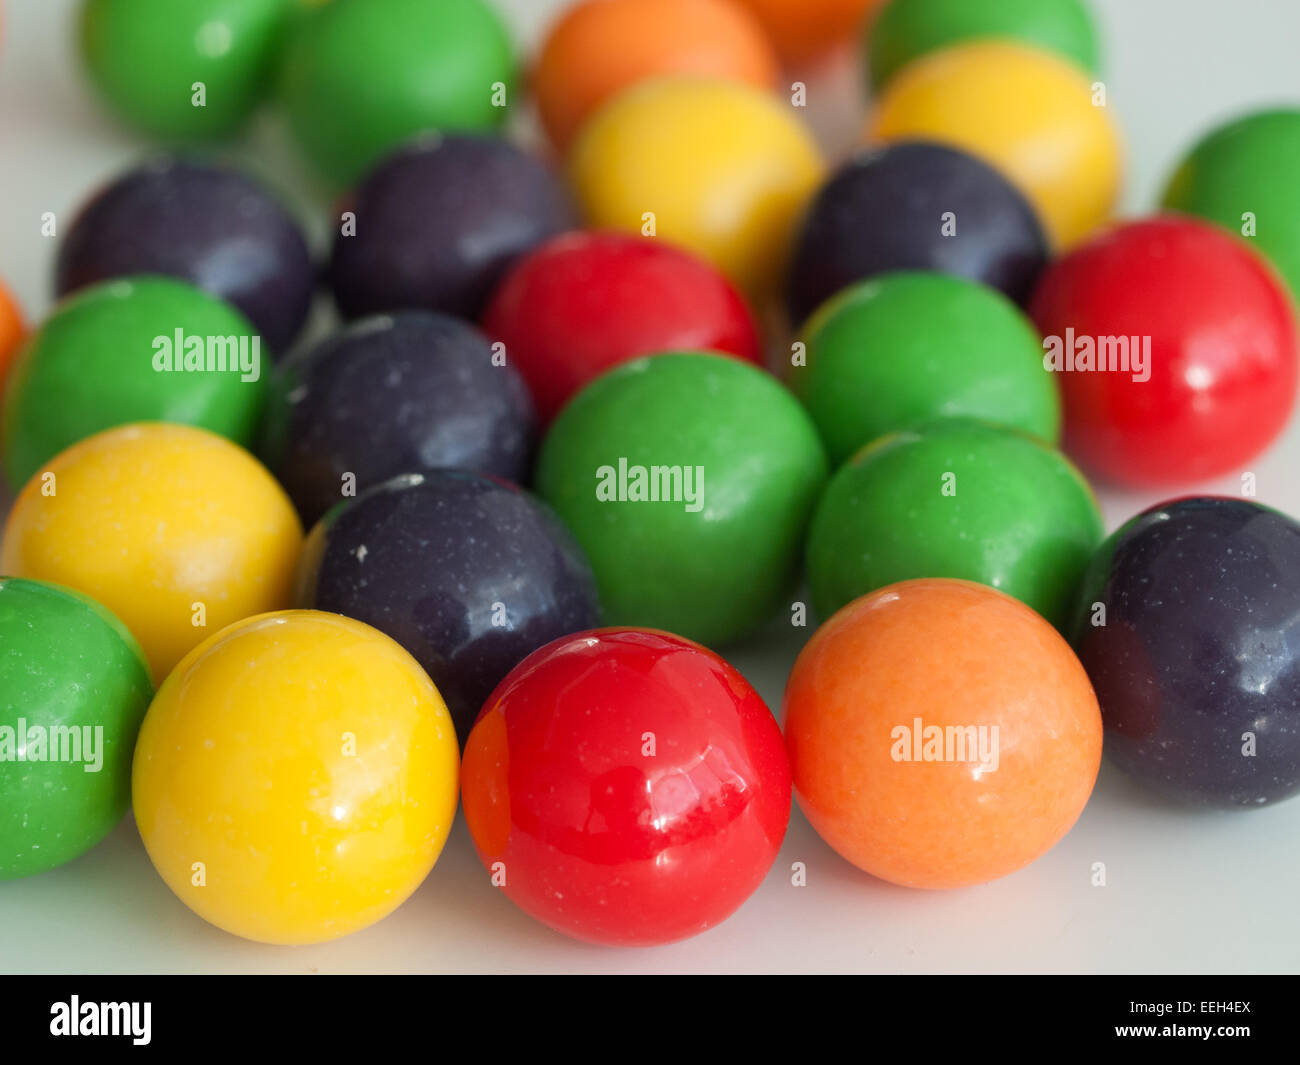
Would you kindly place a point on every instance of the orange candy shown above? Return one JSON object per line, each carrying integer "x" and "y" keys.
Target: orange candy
{"x": 12, "y": 332}
{"x": 602, "y": 46}
{"x": 802, "y": 30}
{"x": 941, "y": 734}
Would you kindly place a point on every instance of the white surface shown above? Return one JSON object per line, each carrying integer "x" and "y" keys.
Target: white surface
{"x": 1187, "y": 891}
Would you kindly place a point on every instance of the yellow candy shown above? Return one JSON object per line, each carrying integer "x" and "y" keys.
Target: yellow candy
{"x": 720, "y": 168}
{"x": 1028, "y": 113}
{"x": 295, "y": 777}
{"x": 176, "y": 530}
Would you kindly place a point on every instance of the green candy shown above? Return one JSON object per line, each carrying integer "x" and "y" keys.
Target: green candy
{"x": 957, "y": 498}
{"x": 361, "y": 76}
{"x": 1249, "y": 171}
{"x": 906, "y": 348}
{"x": 713, "y": 558}
{"x": 91, "y": 366}
{"x": 145, "y": 58}
{"x": 66, "y": 663}
{"x": 908, "y": 29}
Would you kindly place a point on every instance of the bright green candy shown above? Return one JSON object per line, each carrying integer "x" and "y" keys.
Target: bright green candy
{"x": 145, "y": 57}
{"x": 906, "y": 348}
{"x": 957, "y": 498}
{"x": 66, "y": 663}
{"x": 91, "y": 366}
{"x": 361, "y": 76}
{"x": 1249, "y": 171}
{"x": 711, "y": 560}
{"x": 908, "y": 29}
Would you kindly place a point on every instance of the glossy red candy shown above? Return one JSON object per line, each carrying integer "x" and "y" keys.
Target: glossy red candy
{"x": 584, "y": 302}
{"x": 626, "y": 787}
{"x": 1216, "y": 333}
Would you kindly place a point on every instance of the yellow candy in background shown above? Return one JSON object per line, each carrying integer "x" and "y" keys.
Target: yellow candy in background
{"x": 1027, "y": 112}
{"x": 176, "y": 530}
{"x": 719, "y": 168}
{"x": 295, "y": 777}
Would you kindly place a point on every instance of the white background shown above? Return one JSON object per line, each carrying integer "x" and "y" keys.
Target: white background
{"x": 1187, "y": 891}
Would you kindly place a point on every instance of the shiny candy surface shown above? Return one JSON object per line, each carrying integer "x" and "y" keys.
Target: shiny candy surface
{"x": 73, "y": 690}
{"x": 295, "y": 778}
{"x": 941, "y": 734}
{"x": 1185, "y": 623}
{"x": 626, "y": 787}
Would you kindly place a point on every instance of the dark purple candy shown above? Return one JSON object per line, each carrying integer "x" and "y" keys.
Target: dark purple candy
{"x": 212, "y": 226}
{"x": 886, "y": 209}
{"x": 438, "y": 222}
{"x": 394, "y": 394}
{"x": 1199, "y": 656}
{"x": 467, "y": 573}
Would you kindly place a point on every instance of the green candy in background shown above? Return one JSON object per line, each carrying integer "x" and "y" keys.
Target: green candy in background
{"x": 957, "y": 498}
{"x": 906, "y": 348}
{"x": 91, "y": 366}
{"x": 68, "y": 664}
{"x": 713, "y": 564}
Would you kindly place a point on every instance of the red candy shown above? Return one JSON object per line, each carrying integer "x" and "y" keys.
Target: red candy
{"x": 1222, "y": 354}
{"x": 626, "y": 786}
{"x": 585, "y": 302}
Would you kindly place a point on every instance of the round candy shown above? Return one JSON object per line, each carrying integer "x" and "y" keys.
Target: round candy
{"x": 599, "y": 47}
{"x": 956, "y": 498}
{"x": 137, "y": 349}
{"x": 1185, "y": 622}
{"x": 361, "y": 76}
{"x": 585, "y": 302}
{"x": 720, "y": 168}
{"x": 469, "y": 574}
{"x": 915, "y": 207}
{"x": 941, "y": 734}
{"x": 209, "y": 225}
{"x": 626, "y": 787}
{"x": 186, "y": 70}
{"x": 1246, "y": 176}
{"x": 435, "y": 225}
{"x": 175, "y": 530}
{"x": 73, "y": 690}
{"x": 688, "y": 478}
{"x": 905, "y": 30}
{"x": 1178, "y": 351}
{"x": 801, "y": 30}
{"x": 295, "y": 779}
{"x": 391, "y": 395}
{"x": 13, "y": 330}
{"x": 1028, "y": 112}
{"x": 906, "y": 348}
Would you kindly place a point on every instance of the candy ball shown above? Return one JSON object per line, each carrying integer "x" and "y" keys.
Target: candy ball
{"x": 361, "y": 76}
{"x": 434, "y": 226}
{"x": 906, "y": 348}
{"x": 469, "y": 574}
{"x": 1177, "y": 348}
{"x": 585, "y": 302}
{"x": 73, "y": 690}
{"x": 390, "y": 395}
{"x": 626, "y": 787}
{"x": 1246, "y": 176}
{"x": 914, "y": 207}
{"x": 599, "y": 47}
{"x": 956, "y": 498}
{"x": 209, "y": 225}
{"x": 175, "y": 530}
{"x": 1185, "y": 623}
{"x": 1027, "y": 112}
{"x": 12, "y": 332}
{"x": 905, "y": 30}
{"x": 802, "y": 30}
{"x": 137, "y": 349}
{"x": 941, "y": 734}
{"x": 189, "y": 70}
{"x": 720, "y": 168}
{"x": 295, "y": 778}
{"x": 688, "y": 479}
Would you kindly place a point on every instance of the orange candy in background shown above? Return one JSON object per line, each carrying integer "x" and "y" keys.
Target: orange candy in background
{"x": 12, "y": 332}
{"x": 802, "y": 30}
